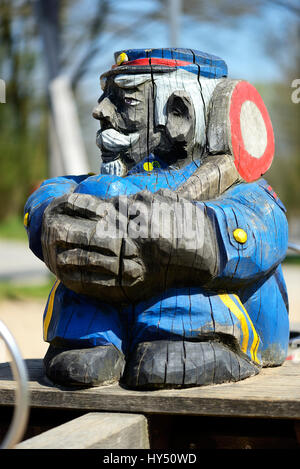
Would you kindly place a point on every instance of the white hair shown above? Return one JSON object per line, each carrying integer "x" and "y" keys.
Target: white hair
{"x": 199, "y": 89}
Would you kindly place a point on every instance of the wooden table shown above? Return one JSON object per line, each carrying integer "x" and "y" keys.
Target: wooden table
{"x": 262, "y": 411}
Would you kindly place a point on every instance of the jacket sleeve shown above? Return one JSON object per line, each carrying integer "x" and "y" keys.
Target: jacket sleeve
{"x": 259, "y": 245}
{"x": 39, "y": 201}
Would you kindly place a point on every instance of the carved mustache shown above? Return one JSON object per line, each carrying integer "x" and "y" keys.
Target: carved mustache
{"x": 114, "y": 141}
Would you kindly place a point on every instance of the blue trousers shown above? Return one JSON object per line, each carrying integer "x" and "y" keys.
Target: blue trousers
{"x": 256, "y": 319}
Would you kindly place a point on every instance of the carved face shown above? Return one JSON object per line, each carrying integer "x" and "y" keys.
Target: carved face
{"x": 163, "y": 114}
{"x": 126, "y": 121}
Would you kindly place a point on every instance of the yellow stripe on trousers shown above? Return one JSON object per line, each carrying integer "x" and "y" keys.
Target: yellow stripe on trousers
{"x": 241, "y": 315}
{"x": 255, "y": 342}
{"x": 49, "y": 311}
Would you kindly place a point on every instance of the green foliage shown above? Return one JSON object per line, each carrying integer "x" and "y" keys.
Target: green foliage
{"x": 22, "y": 165}
{"x": 292, "y": 259}
{"x": 13, "y": 228}
{"x": 23, "y": 118}
{"x": 284, "y": 174}
{"x": 11, "y": 291}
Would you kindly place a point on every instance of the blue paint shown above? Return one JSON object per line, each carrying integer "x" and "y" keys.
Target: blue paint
{"x": 200, "y": 63}
{"x": 158, "y": 165}
{"x": 250, "y": 270}
{"x": 107, "y": 186}
{"x": 269, "y": 312}
{"x": 39, "y": 201}
{"x": 250, "y": 207}
{"x": 81, "y": 321}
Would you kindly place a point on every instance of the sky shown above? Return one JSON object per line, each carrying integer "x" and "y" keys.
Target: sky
{"x": 242, "y": 46}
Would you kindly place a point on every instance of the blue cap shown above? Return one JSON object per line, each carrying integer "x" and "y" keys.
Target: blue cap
{"x": 166, "y": 60}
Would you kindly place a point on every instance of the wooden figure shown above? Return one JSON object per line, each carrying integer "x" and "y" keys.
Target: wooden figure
{"x": 168, "y": 261}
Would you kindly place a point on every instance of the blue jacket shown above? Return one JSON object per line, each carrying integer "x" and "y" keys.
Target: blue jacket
{"x": 247, "y": 299}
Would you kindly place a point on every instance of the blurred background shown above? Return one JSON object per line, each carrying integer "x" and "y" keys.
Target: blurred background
{"x": 52, "y": 53}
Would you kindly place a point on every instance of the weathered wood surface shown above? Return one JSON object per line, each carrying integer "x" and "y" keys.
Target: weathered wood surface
{"x": 274, "y": 393}
{"x": 94, "y": 431}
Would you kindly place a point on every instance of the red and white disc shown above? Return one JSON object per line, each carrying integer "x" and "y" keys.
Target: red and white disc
{"x": 239, "y": 123}
{"x": 252, "y": 138}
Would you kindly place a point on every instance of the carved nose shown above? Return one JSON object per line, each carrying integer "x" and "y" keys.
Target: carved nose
{"x": 104, "y": 110}
{"x": 96, "y": 112}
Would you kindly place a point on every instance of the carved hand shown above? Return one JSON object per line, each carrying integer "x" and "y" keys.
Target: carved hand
{"x": 125, "y": 249}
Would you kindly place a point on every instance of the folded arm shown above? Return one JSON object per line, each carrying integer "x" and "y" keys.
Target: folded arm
{"x": 39, "y": 201}
{"x": 129, "y": 248}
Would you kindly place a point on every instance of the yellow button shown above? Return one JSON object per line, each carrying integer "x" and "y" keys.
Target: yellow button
{"x": 122, "y": 58}
{"x": 26, "y": 216}
{"x": 240, "y": 235}
{"x": 148, "y": 166}
{"x": 91, "y": 174}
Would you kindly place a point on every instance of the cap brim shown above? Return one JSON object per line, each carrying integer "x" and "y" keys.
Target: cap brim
{"x": 136, "y": 69}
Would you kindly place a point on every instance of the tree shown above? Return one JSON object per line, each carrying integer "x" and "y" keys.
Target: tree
{"x": 23, "y": 117}
{"x": 87, "y": 30}
{"x": 83, "y": 30}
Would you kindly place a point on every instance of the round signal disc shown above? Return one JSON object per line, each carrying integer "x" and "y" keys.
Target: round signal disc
{"x": 252, "y": 138}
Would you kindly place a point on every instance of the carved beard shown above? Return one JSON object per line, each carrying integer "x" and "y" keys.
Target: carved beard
{"x": 116, "y": 167}
{"x": 115, "y": 142}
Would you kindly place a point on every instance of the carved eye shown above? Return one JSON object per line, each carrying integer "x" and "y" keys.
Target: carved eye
{"x": 131, "y": 101}
{"x": 178, "y": 107}
{"x": 176, "y": 112}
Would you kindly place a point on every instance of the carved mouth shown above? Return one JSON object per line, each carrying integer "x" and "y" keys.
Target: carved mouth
{"x": 108, "y": 156}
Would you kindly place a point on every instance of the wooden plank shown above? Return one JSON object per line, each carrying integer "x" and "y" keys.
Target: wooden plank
{"x": 94, "y": 431}
{"x": 274, "y": 393}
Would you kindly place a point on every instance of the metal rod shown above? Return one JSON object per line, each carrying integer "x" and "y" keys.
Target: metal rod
{"x": 67, "y": 149}
{"x": 174, "y": 17}
{"x": 294, "y": 247}
{"x": 21, "y": 409}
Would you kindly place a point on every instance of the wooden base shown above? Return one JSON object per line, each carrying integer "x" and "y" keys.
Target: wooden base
{"x": 200, "y": 417}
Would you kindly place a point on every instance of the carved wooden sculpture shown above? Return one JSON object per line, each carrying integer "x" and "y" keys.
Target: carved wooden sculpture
{"x": 168, "y": 262}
